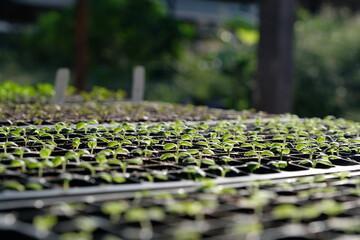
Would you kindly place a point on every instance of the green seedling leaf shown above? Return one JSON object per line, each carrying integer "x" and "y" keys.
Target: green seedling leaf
{"x": 14, "y": 185}
{"x": 84, "y": 152}
{"x": 86, "y": 224}
{"x": 193, "y": 151}
{"x": 45, "y": 153}
{"x": 331, "y": 207}
{"x": 285, "y": 151}
{"x": 126, "y": 142}
{"x": 278, "y": 164}
{"x": 246, "y": 145}
{"x": 2, "y": 168}
{"x": 169, "y": 146}
{"x": 325, "y": 162}
{"x": 122, "y": 150}
{"x": 81, "y": 125}
{"x": 66, "y": 176}
{"x": 194, "y": 170}
{"x": 185, "y": 143}
{"x": 186, "y": 137}
{"x": 161, "y": 176}
{"x": 113, "y": 144}
{"x": 306, "y": 162}
{"x": 202, "y": 143}
{"x": 45, "y": 222}
{"x": 251, "y": 153}
{"x": 300, "y": 146}
{"x": 114, "y": 209}
{"x": 135, "y": 214}
{"x": 58, "y": 160}
{"x": 285, "y": 211}
{"x": 267, "y": 153}
{"x": 252, "y": 166}
{"x": 208, "y": 151}
{"x": 244, "y": 229}
{"x": 260, "y": 145}
{"x": 89, "y": 167}
{"x": 275, "y": 145}
{"x": 166, "y": 156}
{"x": 105, "y": 176}
{"x": 231, "y": 169}
{"x": 117, "y": 178}
{"x": 208, "y": 161}
{"x": 137, "y": 161}
{"x": 156, "y": 213}
{"x": 278, "y": 137}
{"x": 103, "y": 139}
{"x": 34, "y": 186}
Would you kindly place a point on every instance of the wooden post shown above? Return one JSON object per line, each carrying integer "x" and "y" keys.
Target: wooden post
{"x": 274, "y": 84}
{"x": 138, "y": 84}
{"x": 61, "y": 84}
{"x": 81, "y": 44}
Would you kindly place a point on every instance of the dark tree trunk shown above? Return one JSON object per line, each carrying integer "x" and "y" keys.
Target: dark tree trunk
{"x": 274, "y": 84}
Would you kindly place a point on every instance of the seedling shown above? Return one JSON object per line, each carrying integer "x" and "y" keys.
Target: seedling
{"x": 278, "y": 164}
{"x": 66, "y": 178}
{"x": 259, "y": 154}
{"x": 144, "y": 216}
{"x": 92, "y": 144}
{"x": 73, "y": 155}
{"x": 85, "y": 125}
{"x": 252, "y": 166}
{"x": 314, "y": 162}
{"x": 20, "y": 151}
{"x": 199, "y": 161}
{"x": 89, "y": 167}
{"x": 309, "y": 148}
{"x": 2, "y": 168}
{"x": 226, "y": 159}
{"x": 176, "y": 156}
{"x": 118, "y": 178}
{"x": 281, "y": 148}
{"x": 150, "y": 177}
{"x": 224, "y": 170}
{"x": 285, "y": 211}
{"x": 76, "y": 143}
{"x": 34, "y": 186}
{"x": 34, "y": 163}
{"x": 194, "y": 171}
{"x": 254, "y": 145}
{"x": 105, "y": 176}
{"x": 5, "y": 145}
{"x": 142, "y": 152}
{"x": 60, "y": 160}
{"x": 59, "y": 127}
{"x": 177, "y": 146}
{"x": 45, "y": 222}
{"x": 114, "y": 209}
{"x": 45, "y": 152}
{"x": 19, "y": 163}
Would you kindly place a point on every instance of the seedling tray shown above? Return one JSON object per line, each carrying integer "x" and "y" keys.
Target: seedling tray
{"x": 260, "y": 176}
{"x": 322, "y": 206}
{"x": 87, "y": 155}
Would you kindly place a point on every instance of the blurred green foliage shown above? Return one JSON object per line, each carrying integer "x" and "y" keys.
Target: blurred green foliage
{"x": 11, "y": 92}
{"x": 328, "y": 65}
{"x": 122, "y": 34}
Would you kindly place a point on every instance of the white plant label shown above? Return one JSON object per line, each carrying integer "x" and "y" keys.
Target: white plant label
{"x": 61, "y": 84}
{"x": 138, "y": 84}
